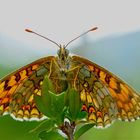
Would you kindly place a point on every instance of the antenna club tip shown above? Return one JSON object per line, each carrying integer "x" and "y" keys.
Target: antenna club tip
{"x": 93, "y": 29}
{"x": 28, "y": 30}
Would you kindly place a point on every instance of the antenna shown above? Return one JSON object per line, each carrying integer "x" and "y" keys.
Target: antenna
{"x": 30, "y": 31}
{"x": 93, "y": 29}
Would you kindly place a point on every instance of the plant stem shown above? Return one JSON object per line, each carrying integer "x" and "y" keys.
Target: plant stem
{"x": 68, "y": 129}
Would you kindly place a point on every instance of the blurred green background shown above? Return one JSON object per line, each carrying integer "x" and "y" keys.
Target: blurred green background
{"x": 120, "y": 54}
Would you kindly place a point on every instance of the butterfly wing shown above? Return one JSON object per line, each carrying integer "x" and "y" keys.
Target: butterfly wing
{"x": 17, "y": 90}
{"x": 110, "y": 98}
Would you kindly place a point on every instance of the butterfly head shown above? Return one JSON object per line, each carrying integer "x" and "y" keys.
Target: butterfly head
{"x": 63, "y": 53}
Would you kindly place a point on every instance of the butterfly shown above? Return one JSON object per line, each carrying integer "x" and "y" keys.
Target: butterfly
{"x": 105, "y": 97}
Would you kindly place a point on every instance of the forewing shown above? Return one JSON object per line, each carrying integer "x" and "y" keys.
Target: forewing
{"x": 123, "y": 98}
{"x": 17, "y": 90}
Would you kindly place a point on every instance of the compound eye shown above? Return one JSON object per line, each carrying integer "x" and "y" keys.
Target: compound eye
{"x": 58, "y": 52}
{"x": 67, "y": 52}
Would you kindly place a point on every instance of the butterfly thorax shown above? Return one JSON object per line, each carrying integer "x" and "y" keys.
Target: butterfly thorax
{"x": 63, "y": 70}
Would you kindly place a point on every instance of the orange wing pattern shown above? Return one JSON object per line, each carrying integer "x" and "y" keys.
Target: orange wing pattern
{"x": 108, "y": 97}
{"x": 105, "y": 97}
{"x": 17, "y": 90}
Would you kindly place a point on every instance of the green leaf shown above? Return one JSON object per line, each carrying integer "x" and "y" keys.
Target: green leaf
{"x": 40, "y": 104}
{"x": 40, "y": 100}
{"x": 74, "y": 103}
{"x": 54, "y": 103}
{"x": 51, "y": 135}
{"x": 46, "y": 125}
{"x": 84, "y": 128}
{"x": 47, "y": 85}
{"x": 82, "y": 115}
